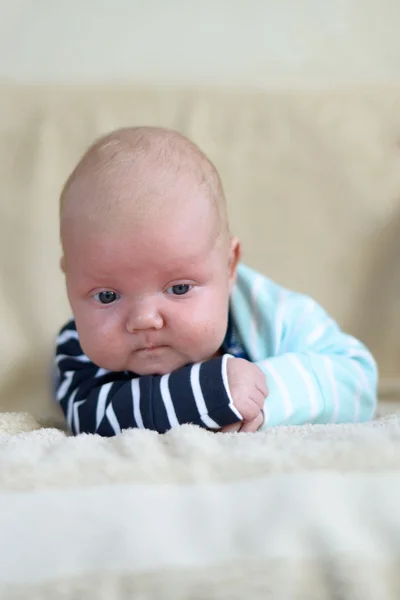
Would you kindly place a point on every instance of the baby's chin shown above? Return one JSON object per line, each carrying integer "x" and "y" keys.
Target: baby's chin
{"x": 157, "y": 363}
{"x": 162, "y": 365}
{"x": 154, "y": 362}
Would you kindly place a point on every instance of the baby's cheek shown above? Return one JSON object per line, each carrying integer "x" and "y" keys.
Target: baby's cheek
{"x": 205, "y": 335}
{"x": 100, "y": 346}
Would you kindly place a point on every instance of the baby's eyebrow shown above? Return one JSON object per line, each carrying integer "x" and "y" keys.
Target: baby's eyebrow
{"x": 182, "y": 274}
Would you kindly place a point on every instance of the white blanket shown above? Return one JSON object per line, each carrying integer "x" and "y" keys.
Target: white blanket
{"x": 308, "y": 512}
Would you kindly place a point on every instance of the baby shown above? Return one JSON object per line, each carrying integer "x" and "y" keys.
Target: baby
{"x": 169, "y": 327}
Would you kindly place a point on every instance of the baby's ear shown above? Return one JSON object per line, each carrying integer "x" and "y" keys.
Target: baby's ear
{"x": 235, "y": 253}
{"x": 62, "y": 264}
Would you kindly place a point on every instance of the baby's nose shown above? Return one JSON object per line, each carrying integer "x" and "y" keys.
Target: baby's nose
{"x": 144, "y": 314}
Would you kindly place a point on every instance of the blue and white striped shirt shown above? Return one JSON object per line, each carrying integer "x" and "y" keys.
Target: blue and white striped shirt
{"x": 315, "y": 372}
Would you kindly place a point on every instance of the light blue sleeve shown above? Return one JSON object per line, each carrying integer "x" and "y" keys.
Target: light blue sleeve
{"x": 318, "y": 374}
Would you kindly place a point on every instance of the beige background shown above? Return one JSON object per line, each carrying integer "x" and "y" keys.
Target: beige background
{"x": 264, "y": 43}
{"x": 310, "y": 159}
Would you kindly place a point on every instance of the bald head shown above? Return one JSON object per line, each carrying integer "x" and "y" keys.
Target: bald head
{"x": 138, "y": 173}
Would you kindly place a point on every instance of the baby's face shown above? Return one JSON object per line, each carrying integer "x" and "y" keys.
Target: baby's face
{"x": 153, "y": 298}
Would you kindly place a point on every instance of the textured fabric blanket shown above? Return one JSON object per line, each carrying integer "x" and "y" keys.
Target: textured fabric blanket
{"x": 308, "y": 512}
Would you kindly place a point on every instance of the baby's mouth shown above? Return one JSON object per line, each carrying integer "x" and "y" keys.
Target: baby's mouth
{"x": 150, "y": 348}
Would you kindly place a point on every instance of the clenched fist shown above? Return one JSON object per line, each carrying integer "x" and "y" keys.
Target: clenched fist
{"x": 249, "y": 390}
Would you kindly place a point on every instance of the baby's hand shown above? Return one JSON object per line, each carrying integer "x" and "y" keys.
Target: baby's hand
{"x": 248, "y": 389}
{"x": 249, "y": 426}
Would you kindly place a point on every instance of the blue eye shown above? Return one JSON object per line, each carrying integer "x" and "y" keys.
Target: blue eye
{"x": 106, "y": 297}
{"x": 180, "y": 289}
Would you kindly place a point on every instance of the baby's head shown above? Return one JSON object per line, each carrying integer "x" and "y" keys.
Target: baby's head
{"x": 147, "y": 253}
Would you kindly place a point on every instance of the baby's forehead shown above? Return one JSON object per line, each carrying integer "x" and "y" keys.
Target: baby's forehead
{"x": 151, "y": 190}
{"x": 151, "y": 203}
{"x": 168, "y": 248}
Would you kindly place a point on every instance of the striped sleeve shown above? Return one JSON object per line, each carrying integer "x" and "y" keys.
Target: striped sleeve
{"x": 317, "y": 373}
{"x": 95, "y": 400}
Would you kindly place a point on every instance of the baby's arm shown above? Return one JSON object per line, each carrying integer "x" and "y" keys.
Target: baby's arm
{"x": 318, "y": 374}
{"x": 103, "y": 402}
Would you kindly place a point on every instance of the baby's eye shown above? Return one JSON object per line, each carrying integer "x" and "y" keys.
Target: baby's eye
{"x": 180, "y": 289}
{"x": 106, "y": 297}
